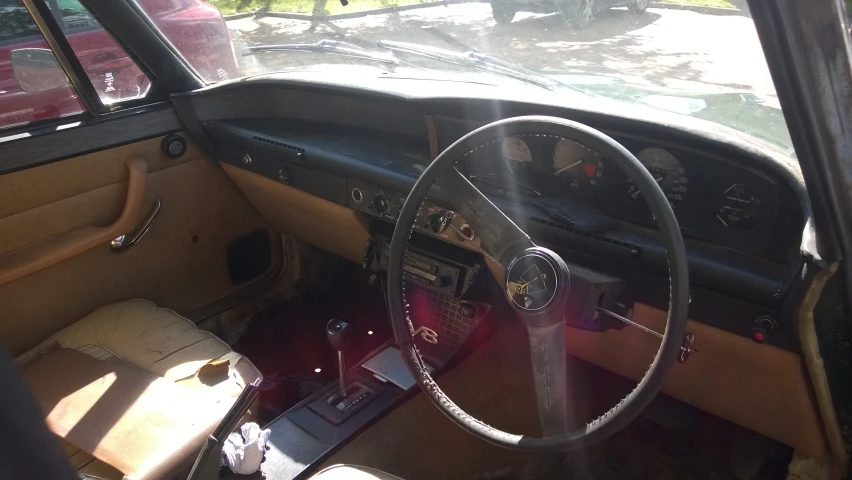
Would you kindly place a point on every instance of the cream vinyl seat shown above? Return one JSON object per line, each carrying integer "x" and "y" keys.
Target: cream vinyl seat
{"x": 133, "y": 390}
{"x": 352, "y": 472}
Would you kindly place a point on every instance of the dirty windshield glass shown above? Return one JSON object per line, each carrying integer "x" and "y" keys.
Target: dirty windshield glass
{"x": 700, "y": 58}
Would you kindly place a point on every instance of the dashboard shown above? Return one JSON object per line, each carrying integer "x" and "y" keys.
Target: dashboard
{"x": 742, "y": 209}
{"x": 713, "y": 199}
{"x": 332, "y": 166}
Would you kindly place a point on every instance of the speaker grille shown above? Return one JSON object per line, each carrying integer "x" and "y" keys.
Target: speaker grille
{"x": 453, "y": 320}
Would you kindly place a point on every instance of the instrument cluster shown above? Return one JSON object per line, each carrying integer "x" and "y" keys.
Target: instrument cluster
{"x": 714, "y": 199}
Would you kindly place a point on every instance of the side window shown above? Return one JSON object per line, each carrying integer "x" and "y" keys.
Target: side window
{"x": 17, "y": 23}
{"x": 200, "y": 35}
{"x": 73, "y": 18}
{"x": 112, "y": 72}
{"x": 33, "y": 87}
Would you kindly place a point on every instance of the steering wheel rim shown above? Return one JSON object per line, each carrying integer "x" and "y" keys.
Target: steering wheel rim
{"x": 628, "y": 408}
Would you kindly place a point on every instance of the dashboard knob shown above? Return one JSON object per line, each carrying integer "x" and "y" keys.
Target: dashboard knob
{"x": 438, "y": 221}
{"x": 380, "y": 203}
{"x": 763, "y": 324}
{"x": 758, "y": 334}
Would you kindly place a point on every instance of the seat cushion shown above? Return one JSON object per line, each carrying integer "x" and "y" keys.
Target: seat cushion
{"x": 352, "y": 472}
{"x": 156, "y": 339}
{"x": 86, "y": 463}
{"x": 133, "y": 336}
{"x": 145, "y": 426}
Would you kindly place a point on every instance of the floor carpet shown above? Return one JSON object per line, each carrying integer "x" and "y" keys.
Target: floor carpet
{"x": 416, "y": 441}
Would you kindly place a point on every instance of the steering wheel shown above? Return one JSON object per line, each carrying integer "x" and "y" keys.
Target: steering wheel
{"x": 509, "y": 254}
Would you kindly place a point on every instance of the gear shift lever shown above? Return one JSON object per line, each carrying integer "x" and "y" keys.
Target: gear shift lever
{"x": 339, "y": 333}
{"x": 338, "y": 406}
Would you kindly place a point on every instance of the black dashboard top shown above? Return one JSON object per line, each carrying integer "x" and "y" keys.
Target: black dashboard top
{"x": 742, "y": 208}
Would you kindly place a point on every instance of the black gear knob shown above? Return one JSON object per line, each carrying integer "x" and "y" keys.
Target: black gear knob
{"x": 338, "y": 333}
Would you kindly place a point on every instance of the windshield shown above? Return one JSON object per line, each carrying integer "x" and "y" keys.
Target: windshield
{"x": 699, "y": 58}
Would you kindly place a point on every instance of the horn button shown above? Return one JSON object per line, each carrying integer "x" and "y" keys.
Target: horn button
{"x": 533, "y": 280}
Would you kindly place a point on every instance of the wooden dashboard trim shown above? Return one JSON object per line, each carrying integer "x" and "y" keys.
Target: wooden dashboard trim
{"x": 760, "y": 387}
{"x": 311, "y": 219}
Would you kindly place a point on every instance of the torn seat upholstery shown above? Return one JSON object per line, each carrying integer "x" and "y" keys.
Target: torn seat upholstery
{"x": 133, "y": 390}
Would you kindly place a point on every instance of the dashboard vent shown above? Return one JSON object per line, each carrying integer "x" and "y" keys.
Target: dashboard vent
{"x": 635, "y": 251}
{"x": 297, "y": 150}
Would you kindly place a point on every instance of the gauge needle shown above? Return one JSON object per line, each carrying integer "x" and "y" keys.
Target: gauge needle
{"x": 637, "y": 192}
{"x": 721, "y": 220}
{"x": 569, "y": 166}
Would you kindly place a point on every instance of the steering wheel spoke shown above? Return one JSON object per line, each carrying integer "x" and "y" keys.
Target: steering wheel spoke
{"x": 499, "y": 236}
{"x": 550, "y": 377}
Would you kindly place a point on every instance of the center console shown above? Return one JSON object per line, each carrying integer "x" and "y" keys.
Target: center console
{"x": 310, "y": 431}
{"x": 448, "y": 298}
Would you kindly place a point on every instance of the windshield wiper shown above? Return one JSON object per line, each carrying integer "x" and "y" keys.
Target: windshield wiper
{"x": 479, "y": 61}
{"x": 333, "y": 47}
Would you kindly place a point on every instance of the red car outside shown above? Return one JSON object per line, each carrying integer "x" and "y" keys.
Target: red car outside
{"x": 195, "y": 28}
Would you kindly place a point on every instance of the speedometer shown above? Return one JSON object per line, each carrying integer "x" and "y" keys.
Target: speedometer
{"x": 514, "y": 148}
{"x": 667, "y": 172}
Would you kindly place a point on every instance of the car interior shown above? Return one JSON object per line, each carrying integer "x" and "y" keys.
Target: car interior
{"x": 439, "y": 281}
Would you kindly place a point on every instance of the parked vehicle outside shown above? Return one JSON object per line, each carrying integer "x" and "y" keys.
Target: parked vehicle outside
{"x": 579, "y": 13}
{"x": 113, "y": 73}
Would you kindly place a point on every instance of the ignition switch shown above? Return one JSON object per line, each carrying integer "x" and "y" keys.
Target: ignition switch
{"x": 380, "y": 203}
{"x": 438, "y": 221}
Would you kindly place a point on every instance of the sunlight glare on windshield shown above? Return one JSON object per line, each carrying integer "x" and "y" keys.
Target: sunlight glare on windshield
{"x": 700, "y": 58}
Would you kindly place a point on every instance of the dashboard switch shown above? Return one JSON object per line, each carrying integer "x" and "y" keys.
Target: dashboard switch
{"x": 380, "y": 203}
{"x": 763, "y": 324}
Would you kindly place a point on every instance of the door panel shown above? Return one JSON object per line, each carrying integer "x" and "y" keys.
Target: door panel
{"x": 179, "y": 264}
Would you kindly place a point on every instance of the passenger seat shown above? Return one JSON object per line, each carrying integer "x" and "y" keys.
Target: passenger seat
{"x": 134, "y": 390}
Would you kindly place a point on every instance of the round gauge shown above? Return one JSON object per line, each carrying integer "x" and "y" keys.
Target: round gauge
{"x": 668, "y": 173}
{"x": 736, "y": 206}
{"x": 514, "y": 148}
{"x": 577, "y": 166}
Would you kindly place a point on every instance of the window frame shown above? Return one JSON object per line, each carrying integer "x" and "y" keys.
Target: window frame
{"x": 143, "y": 43}
{"x": 56, "y": 40}
{"x": 146, "y": 45}
{"x": 55, "y": 4}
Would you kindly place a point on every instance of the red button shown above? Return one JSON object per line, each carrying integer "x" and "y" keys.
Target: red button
{"x": 758, "y": 337}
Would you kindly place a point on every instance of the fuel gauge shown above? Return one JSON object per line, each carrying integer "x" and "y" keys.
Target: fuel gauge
{"x": 737, "y": 206}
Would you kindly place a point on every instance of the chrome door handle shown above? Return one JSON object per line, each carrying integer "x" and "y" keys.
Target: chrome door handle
{"x": 123, "y": 242}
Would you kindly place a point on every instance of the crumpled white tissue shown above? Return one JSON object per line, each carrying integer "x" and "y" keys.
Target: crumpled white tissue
{"x": 243, "y": 451}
